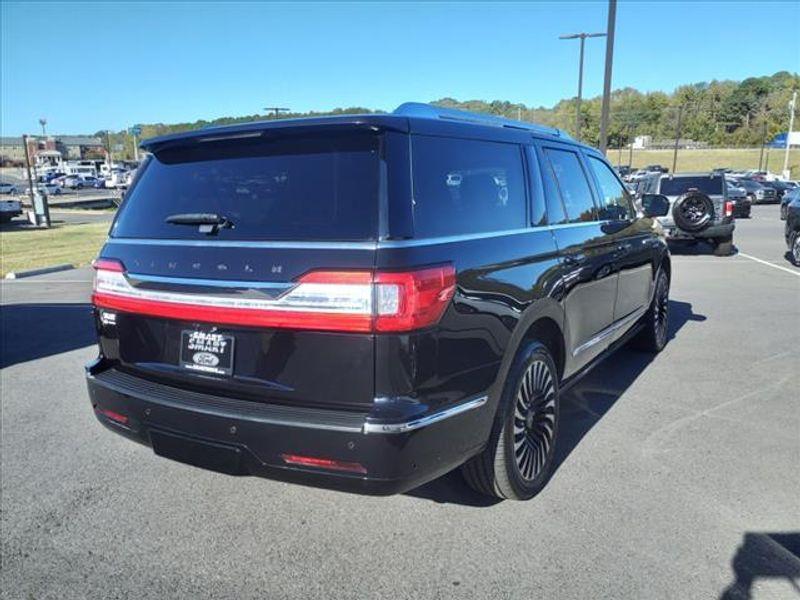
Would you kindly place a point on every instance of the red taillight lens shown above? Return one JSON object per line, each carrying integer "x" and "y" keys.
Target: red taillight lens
{"x": 323, "y": 463}
{"x": 728, "y": 208}
{"x": 414, "y": 299}
{"x": 348, "y": 301}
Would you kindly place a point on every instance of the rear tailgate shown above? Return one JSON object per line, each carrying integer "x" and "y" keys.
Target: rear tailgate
{"x": 214, "y": 309}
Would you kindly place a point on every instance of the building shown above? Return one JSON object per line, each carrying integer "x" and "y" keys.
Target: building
{"x": 76, "y": 147}
{"x": 12, "y": 150}
{"x": 70, "y": 147}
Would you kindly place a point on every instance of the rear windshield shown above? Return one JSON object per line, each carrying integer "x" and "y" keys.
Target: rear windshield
{"x": 285, "y": 189}
{"x": 680, "y": 185}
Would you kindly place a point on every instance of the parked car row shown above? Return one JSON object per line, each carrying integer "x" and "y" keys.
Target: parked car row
{"x": 118, "y": 178}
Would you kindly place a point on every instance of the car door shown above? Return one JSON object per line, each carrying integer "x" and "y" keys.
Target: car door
{"x": 632, "y": 238}
{"x": 588, "y": 279}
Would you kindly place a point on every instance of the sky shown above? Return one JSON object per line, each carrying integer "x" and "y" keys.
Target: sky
{"x": 100, "y": 65}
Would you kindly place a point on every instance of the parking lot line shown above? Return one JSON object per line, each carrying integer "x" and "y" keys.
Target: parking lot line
{"x": 796, "y": 273}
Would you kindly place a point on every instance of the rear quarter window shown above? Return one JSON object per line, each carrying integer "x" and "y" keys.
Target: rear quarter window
{"x": 466, "y": 186}
{"x": 311, "y": 188}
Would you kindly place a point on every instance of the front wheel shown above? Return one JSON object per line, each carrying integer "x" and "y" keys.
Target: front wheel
{"x": 518, "y": 459}
{"x": 784, "y": 210}
{"x": 796, "y": 248}
{"x": 653, "y": 336}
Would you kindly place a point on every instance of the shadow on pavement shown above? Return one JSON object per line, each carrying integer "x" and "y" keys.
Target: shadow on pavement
{"x": 32, "y": 331}
{"x": 764, "y": 556}
{"x": 582, "y": 407}
{"x": 695, "y": 248}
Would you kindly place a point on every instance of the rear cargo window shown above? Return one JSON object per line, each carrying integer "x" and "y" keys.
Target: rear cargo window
{"x": 680, "y": 185}
{"x": 285, "y": 189}
{"x": 466, "y": 186}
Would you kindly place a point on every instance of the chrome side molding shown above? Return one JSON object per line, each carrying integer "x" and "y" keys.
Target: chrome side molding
{"x": 371, "y": 428}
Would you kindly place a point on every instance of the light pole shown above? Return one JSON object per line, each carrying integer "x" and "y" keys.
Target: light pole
{"x": 792, "y": 106}
{"x": 582, "y": 37}
{"x": 43, "y": 122}
{"x": 612, "y": 19}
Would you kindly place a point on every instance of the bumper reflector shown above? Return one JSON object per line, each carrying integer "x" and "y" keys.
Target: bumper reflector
{"x": 114, "y": 416}
{"x": 323, "y": 463}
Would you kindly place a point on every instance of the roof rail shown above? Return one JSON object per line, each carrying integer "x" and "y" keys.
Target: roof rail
{"x": 428, "y": 111}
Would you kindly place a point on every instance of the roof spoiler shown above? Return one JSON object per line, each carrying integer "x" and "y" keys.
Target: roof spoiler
{"x": 428, "y": 111}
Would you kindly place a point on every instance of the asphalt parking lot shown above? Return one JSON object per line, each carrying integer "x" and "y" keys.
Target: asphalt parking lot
{"x": 677, "y": 476}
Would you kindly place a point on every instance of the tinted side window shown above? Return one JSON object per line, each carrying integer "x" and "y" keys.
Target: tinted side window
{"x": 614, "y": 201}
{"x": 573, "y": 185}
{"x": 466, "y": 186}
{"x": 538, "y": 212}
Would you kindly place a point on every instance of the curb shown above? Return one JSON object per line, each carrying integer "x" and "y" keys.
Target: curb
{"x": 42, "y": 271}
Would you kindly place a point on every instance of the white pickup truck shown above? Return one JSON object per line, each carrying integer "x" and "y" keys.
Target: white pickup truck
{"x": 9, "y": 209}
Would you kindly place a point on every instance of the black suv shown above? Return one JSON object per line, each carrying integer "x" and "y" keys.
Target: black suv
{"x": 367, "y": 302}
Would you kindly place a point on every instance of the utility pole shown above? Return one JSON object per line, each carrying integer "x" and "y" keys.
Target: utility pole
{"x": 135, "y": 130}
{"x": 582, "y": 37}
{"x": 108, "y": 143}
{"x": 677, "y": 138}
{"x": 44, "y": 209}
{"x": 792, "y": 106}
{"x": 763, "y": 142}
{"x": 612, "y": 18}
{"x": 630, "y": 149}
{"x": 276, "y": 110}
{"x": 28, "y": 166}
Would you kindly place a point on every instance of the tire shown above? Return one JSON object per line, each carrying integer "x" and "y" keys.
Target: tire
{"x": 693, "y": 212}
{"x": 796, "y": 248}
{"x": 518, "y": 460}
{"x": 653, "y": 336}
{"x": 784, "y": 210}
{"x": 723, "y": 246}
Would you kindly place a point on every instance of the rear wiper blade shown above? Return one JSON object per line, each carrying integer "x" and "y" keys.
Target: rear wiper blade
{"x": 207, "y": 222}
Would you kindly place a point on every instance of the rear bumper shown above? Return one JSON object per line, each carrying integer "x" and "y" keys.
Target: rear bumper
{"x": 718, "y": 230}
{"x": 241, "y": 437}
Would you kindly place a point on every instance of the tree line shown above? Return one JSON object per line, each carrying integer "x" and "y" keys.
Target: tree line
{"x": 720, "y": 113}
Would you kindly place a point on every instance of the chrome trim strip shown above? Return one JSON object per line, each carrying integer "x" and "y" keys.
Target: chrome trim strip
{"x": 610, "y": 330}
{"x": 409, "y": 243}
{"x": 221, "y": 283}
{"x": 245, "y": 244}
{"x": 371, "y": 428}
{"x": 449, "y": 239}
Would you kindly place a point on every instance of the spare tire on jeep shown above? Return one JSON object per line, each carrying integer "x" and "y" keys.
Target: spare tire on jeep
{"x": 693, "y": 212}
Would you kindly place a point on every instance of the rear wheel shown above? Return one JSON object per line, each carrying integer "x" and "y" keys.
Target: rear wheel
{"x": 518, "y": 460}
{"x": 653, "y": 336}
{"x": 723, "y": 246}
{"x": 796, "y": 248}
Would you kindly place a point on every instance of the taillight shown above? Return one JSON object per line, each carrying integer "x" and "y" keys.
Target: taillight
{"x": 728, "y": 208}
{"x": 350, "y": 301}
{"x": 413, "y": 299}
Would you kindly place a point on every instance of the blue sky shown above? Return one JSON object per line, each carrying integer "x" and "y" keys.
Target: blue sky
{"x": 96, "y": 65}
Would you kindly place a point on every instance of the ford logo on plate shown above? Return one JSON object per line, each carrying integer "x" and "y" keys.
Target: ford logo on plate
{"x": 206, "y": 359}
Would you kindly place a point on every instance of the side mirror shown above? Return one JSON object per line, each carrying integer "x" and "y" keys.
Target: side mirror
{"x": 655, "y": 205}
